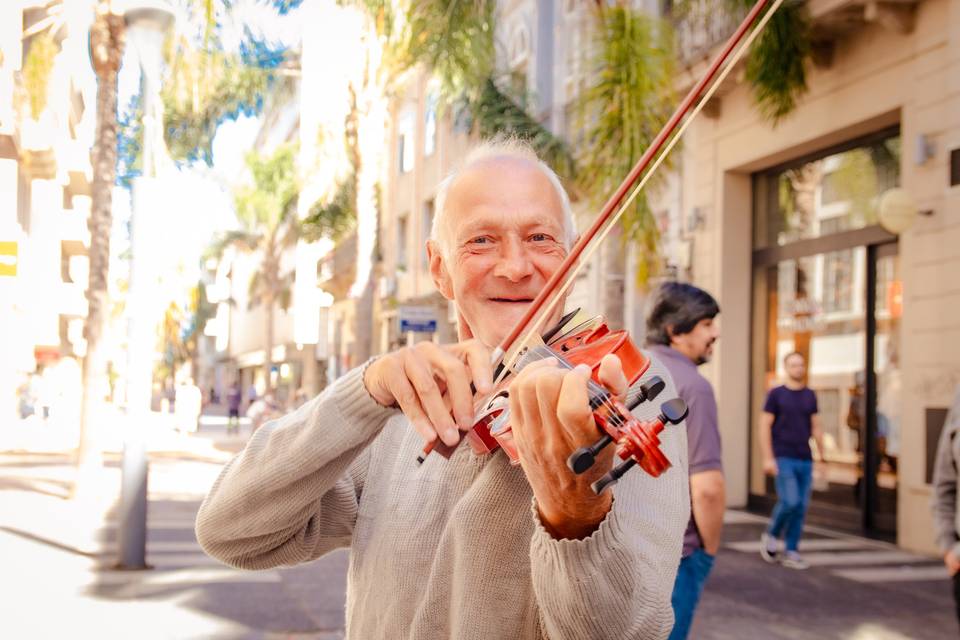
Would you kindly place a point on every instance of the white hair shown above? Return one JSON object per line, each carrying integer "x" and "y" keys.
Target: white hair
{"x": 488, "y": 150}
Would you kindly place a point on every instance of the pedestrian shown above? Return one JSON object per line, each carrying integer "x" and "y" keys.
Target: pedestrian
{"x": 188, "y": 406}
{"x": 789, "y": 418}
{"x": 946, "y": 497}
{"x": 681, "y": 330}
{"x": 472, "y": 546}
{"x": 234, "y": 398}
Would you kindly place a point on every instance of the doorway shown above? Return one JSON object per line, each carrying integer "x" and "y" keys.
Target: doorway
{"x": 827, "y": 284}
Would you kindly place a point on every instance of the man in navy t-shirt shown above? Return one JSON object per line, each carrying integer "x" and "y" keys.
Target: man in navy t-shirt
{"x": 789, "y": 419}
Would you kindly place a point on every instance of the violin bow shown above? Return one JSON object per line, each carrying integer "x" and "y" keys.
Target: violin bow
{"x": 526, "y": 329}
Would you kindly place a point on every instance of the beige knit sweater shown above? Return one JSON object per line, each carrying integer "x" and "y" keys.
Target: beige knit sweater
{"x": 452, "y": 548}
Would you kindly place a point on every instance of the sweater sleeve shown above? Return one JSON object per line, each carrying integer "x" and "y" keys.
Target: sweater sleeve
{"x": 617, "y": 583}
{"x": 944, "y": 500}
{"x": 293, "y": 493}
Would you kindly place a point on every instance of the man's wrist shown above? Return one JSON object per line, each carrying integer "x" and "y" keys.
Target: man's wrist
{"x": 374, "y": 393}
{"x": 578, "y": 524}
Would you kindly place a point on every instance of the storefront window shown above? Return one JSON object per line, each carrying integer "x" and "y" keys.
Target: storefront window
{"x": 838, "y": 192}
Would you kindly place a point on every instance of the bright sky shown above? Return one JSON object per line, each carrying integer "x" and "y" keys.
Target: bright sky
{"x": 200, "y": 198}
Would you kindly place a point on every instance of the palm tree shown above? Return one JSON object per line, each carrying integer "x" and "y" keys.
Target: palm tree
{"x": 627, "y": 99}
{"x": 267, "y": 213}
{"x": 106, "y": 52}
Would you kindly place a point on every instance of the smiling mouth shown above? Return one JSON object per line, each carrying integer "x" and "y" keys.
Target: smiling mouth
{"x": 512, "y": 300}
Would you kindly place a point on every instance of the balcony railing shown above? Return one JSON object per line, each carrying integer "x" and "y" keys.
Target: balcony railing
{"x": 701, "y": 25}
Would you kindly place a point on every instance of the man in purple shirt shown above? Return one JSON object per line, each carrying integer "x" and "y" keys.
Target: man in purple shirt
{"x": 681, "y": 332}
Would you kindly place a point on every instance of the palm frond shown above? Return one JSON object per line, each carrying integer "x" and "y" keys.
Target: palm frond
{"x": 776, "y": 65}
{"x": 245, "y": 241}
{"x": 628, "y": 99}
{"x": 37, "y": 67}
{"x": 336, "y": 217}
{"x": 494, "y": 112}
{"x": 452, "y": 38}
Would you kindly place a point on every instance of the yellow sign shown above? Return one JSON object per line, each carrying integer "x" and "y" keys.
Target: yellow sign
{"x": 8, "y": 258}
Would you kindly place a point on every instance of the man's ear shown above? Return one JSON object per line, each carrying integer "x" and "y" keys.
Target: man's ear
{"x": 671, "y": 334}
{"x": 438, "y": 270}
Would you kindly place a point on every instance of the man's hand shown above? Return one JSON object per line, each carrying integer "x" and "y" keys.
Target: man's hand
{"x": 952, "y": 562}
{"x": 550, "y": 417}
{"x": 770, "y": 466}
{"x": 429, "y": 381}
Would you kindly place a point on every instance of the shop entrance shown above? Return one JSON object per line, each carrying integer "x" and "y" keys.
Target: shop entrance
{"x": 827, "y": 284}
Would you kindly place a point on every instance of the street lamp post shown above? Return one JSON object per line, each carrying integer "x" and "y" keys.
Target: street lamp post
{"x": 147, "y": 21}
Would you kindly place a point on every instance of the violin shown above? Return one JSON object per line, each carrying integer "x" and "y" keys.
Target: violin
{"x": 638, "y": 442}
{"x": 585, "y": 343}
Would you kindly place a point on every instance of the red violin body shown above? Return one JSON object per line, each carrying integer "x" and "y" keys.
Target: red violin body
{"x": 636, "y": 440}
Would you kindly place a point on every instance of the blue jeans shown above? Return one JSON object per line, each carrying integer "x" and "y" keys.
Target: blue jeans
{"x": 691, "y": 577}
{"x": 794, "y": 482}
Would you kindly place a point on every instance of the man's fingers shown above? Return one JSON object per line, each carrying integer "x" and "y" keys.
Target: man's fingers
{"x": 421, "y": 377}
{"x": 478, "y": 360}
{"x": 406, "y": 397}
{"x": 573, "y": 407}
{"x": 456, "y": 380}
{"x": 524, "y": 407}
{"x": 611, "y": 375}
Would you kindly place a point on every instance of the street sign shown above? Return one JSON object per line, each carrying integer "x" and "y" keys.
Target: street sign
{"x": 8, "y": 258}
{"x": 418, "y": 319}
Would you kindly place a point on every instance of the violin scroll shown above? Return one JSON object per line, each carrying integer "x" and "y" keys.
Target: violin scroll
{"x": 640, "y": 444}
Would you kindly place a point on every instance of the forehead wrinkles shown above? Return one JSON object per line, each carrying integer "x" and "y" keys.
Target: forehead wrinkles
{"x": 503, "y": 188}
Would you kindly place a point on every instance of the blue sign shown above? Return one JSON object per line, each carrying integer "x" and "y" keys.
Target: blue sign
{"x": 419, "y": 319}
{"x": 430, "y": 326}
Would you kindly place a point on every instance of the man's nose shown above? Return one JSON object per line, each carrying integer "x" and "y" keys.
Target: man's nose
{"x": 514, "y": 263}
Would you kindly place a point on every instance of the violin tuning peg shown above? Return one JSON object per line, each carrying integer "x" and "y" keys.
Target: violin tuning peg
{"x": 673, "y": 411}
{"x": 581, "y": 460}
{"x": 646, "y": 391}
{"x": 654, "y": 387}
{"x": 584, "y": 457}
{"x": 611, "y": 478}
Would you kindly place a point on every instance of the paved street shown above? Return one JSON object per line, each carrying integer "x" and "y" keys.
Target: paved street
{"x": 58, "y": 556}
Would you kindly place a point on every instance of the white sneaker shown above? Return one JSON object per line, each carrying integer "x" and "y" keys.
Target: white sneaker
{"x": 793, "y": 560}
{"x": 768, "y": 547}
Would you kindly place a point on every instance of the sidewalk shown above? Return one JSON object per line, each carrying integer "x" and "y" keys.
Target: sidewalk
{"x": 59, "y": 558}
{"x": 59, "y": 576}
{"x": 855, "y": 589}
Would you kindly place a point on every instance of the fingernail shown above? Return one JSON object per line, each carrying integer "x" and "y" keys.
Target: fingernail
{"x": 464, "y": 422}
{"x": 582, "y": 369}
{"x": 453, "y": 436}
{"x": 483, "y": 386}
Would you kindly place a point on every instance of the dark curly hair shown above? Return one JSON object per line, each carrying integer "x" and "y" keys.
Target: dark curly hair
{"x": 677, "y": 307}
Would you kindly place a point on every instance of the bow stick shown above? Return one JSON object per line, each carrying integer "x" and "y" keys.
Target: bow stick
{"x": 526, "y": 329}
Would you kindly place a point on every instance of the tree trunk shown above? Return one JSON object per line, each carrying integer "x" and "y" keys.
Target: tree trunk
{"x": 373, "y": 117}
{"x": 106, "y": 46}
{"x": 269, "y": 301}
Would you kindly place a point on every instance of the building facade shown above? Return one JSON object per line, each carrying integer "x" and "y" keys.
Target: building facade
{"x": 46, "y": 131}
{"x": 787, "y": 228}
{"x": 787, "y": 225}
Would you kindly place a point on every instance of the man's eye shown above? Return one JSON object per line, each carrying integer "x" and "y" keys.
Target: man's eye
{"x": 541, "y": 237}
{"x": 479, "y": 240}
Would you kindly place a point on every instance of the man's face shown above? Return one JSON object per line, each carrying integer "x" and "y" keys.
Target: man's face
{"x": 796, "y": 367}
{"x": 698, "y": 344}
{"x": 504, "y": 239}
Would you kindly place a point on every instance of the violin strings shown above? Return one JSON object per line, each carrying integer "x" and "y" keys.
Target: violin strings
{"x": 550, "y": 305}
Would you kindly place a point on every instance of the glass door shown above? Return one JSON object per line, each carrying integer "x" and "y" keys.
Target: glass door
{"x": 885, "y": 391}
{"x": 816, "y": 307}
{"x": 842, "y": 310}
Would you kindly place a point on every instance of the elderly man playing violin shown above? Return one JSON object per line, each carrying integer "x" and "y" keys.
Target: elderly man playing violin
{"x": 470, "y": 546}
